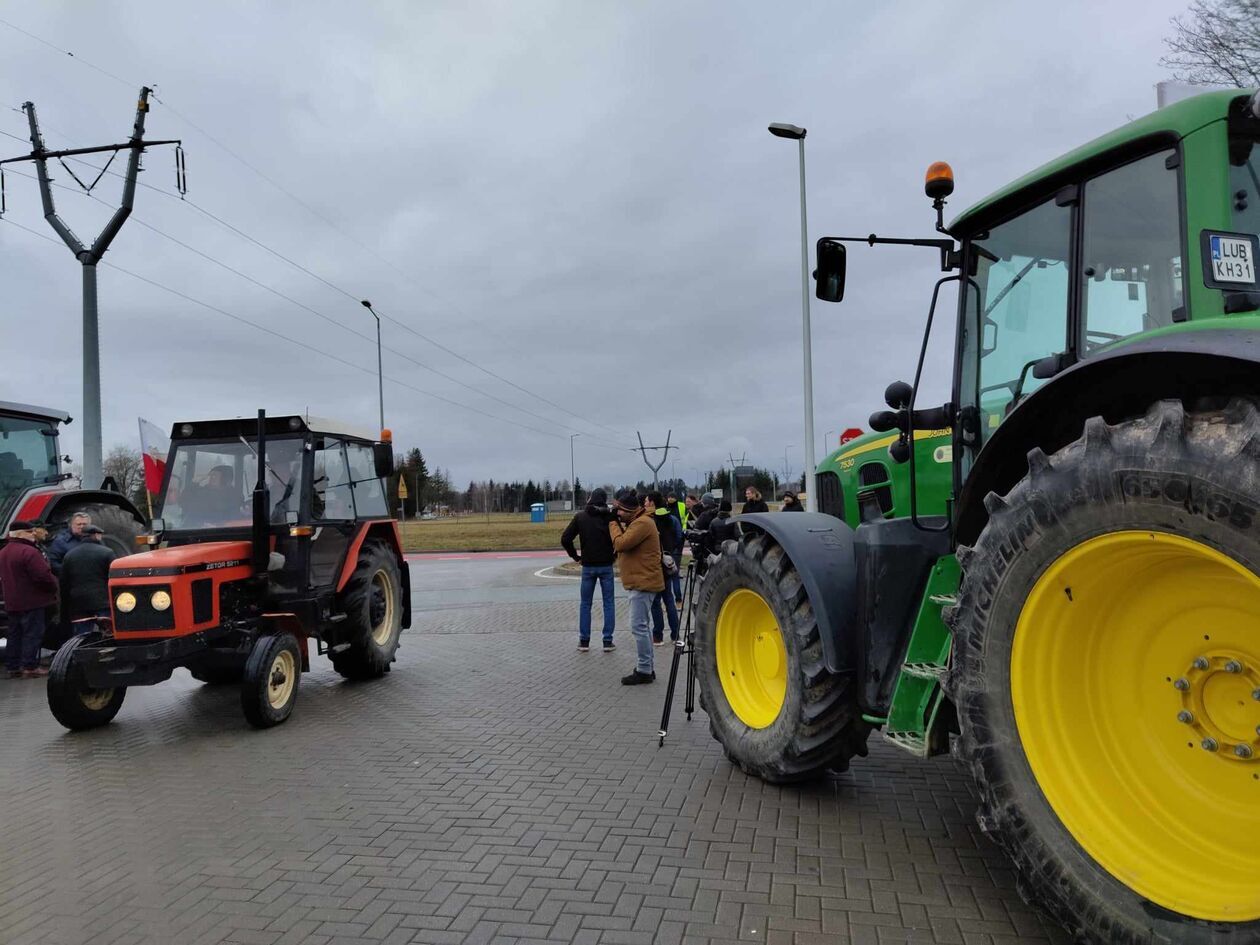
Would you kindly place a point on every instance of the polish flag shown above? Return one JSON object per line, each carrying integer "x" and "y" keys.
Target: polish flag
{"x": 154, "y": 445}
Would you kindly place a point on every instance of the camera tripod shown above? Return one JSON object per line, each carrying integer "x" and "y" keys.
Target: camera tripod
{"x": 684, "y": 646}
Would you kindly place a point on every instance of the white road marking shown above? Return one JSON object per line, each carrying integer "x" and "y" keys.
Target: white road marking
{"x": 542, "y": 573}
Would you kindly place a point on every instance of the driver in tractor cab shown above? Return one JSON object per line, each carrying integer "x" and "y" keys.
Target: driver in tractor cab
{"x": 215, "y": 502}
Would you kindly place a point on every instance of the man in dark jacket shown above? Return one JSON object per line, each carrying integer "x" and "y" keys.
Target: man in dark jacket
{"x": 28, "y": 586}
{"x": 590, "y": 528}
{"x": 67, "y": 538}
{"x": 669, "y": 533}
{"x": 85, "y": 580}
{"x": 791, "y": 503}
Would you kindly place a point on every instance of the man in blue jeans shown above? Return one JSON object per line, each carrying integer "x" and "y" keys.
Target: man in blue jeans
{"x": 590, "y": 528}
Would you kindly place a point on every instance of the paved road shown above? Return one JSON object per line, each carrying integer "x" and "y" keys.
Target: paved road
{"x": 496, "y": 787}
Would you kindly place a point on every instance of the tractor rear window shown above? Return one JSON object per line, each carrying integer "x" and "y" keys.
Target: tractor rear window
{"x": 28, "y": 457}
{"x": 210, "y": 484}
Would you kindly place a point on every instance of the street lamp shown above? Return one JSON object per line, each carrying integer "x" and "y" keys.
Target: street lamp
{"x": 787, "y": 472}
{"x": 826, "y": 448}
{"x": 380, "y": 374}
{"x": 572, "y": 471}
{"x": 780, "y": 130}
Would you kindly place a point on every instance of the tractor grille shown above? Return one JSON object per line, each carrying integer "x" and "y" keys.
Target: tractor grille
{"x": 830, "y": 494}
{"x": 144, "y": 617}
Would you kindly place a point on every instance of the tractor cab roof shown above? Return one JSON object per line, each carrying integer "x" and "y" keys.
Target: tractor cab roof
{"x": 275, "y": 426}
{"x": 1169, "y": 124}
{"x": 11, "y": 409}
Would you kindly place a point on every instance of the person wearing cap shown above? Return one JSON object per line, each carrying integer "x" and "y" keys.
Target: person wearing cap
{"x": 638, "y": 547}
{"x": 85, "y": 581}
{"x": 29, "y": 586}
{"x": 595, "y": 554}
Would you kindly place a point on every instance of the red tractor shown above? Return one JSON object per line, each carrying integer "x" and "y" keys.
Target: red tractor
{"x": 241, "y": 580}
{"x": 33, "y": 486}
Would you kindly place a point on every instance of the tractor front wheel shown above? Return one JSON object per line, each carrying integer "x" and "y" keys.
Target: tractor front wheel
{"x": 372, "y": 603}
{"x": 1107, "y": 677}
{"x": 74, "y": 704}
{"x": 269, "y": 688}
{"x": 778, "y": 712}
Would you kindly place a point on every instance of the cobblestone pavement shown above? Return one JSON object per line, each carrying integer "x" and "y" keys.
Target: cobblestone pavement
{"x": 496, "y": 787}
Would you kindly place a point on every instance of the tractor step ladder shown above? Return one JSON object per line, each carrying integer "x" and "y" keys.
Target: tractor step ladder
{"x": 917, "y": 695}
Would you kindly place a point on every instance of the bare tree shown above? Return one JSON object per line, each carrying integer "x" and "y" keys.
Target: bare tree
{"x": 1216, "y": 43}
{"x": 127, "y": 467}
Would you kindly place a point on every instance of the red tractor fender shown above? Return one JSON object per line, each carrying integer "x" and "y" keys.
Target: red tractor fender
{"x": 385, "y": 530}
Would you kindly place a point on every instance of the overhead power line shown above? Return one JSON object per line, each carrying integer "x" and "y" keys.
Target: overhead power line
{"x": 315, "y": 312}
{"x": 328, "y": 222}
{"x": 305, "y": 344}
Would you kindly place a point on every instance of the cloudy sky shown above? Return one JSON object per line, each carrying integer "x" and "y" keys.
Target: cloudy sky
{"x": 570, "y": 214}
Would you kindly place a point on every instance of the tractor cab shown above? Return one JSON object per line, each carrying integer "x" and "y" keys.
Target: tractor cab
{"x": 269, "y": 533}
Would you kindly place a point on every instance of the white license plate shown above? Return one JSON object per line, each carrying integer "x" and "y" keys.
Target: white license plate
{"x": 1231, "y": 260}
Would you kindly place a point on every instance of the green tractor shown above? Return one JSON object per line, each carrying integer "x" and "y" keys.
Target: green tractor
{"x": 1074, "y": 611}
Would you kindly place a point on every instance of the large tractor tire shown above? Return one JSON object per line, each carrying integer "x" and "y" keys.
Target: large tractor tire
{"x": 372, "y": 603}
{"x": 1107, "y": 678}
{"x": 73, "y": 703}
{"x": 777, "y": 711}
{"x": 269, "y": 686}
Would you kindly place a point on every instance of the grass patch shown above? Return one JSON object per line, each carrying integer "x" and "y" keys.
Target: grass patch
{"x": 501, "y": 532}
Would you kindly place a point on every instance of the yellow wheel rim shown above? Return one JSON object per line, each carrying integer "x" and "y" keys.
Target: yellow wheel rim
{"x": 281, "y": 679}
{"x": 751, "y": 658}
{"x": 94, "y": 700}
{"x": 1135, "y": 680}
{"x": 381, "y": 607}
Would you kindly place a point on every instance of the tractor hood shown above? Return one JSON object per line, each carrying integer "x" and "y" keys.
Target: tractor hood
{"x": 185, "y": 559}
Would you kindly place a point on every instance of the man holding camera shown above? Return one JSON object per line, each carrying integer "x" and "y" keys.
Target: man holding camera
{"x": 590, "y": 528}
{"x": 638, "y": 546}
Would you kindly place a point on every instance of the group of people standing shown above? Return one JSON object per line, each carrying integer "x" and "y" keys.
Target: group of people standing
{"x": 644, "y": 536}
{"x": 71, "y": 577}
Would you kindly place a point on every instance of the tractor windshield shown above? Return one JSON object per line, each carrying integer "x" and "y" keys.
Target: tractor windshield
{"x": 209, "y": 485}
{"x": 28, "y": 457}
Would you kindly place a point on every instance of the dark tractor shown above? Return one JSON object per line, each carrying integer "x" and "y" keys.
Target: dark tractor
{"x": 240, "y": 580}
{"x": 33, "y": 488}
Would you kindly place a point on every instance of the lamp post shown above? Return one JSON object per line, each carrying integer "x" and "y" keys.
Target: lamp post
{"x": 826, "y": 448}
{"x": 780, "y": 130}
{"x": 572, "y": 471}
{"x": 787, "y": 472}
{"x": 380, "y": 374}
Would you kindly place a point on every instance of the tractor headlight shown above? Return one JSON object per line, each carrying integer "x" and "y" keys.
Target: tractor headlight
{"x": 125, "y": 602}
{"x": 160, "y": 600}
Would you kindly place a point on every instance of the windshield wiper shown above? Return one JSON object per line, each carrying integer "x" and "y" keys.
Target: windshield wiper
{"x": 1010, "y": 285}
{"x": 265, "y": 463}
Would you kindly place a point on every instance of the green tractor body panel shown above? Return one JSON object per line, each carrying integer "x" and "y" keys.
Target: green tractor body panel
{"x": 859, "y": 481}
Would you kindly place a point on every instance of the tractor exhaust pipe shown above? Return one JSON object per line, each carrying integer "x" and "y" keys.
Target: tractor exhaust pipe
{"x": 262, "y": 520}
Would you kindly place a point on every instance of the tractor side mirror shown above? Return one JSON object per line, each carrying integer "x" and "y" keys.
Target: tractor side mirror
{"x": 157, "y": 526}
{"x": 383, "y": 458}
{"x": 830, "y": 272}
{"x": 988, "y": 339}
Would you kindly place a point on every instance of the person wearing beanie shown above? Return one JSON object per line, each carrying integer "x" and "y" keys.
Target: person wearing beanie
{"x": 28, "y": 586}
{"x": 638, "y": 546}
{"x": 595, "y": 554}
{"x": 791, "y": 503}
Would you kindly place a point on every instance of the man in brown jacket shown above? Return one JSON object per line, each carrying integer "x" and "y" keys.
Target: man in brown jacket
{"x": 638, "y": 546}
